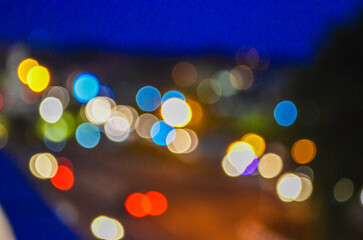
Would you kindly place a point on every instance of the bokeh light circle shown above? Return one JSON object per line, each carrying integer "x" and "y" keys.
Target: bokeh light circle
{"x": 58, "y": 92}
{"x": 144, "y": 123}
{"x": 148, "y": 98}
{"x": 162, "y": 133}
{"x": 24, "y": 68}
{"x": 343, "y": 190}
{"x": 209, "y": 91}
{"x": 288, "y": 187}
{"x": 88, "y": 135}
{"x": 98, "y": 110}
{"x": 51, "y": 109}
{"x": 172, "y": 94}
{"x": 184, "y": 74}
{"x": 158, "y": 201}
{"x": 256, "y": 141}
{"x": 181, "y": 143}
{"x": 229, "y": 168}
{"x": 306, "y": 189}
{"x": 38, "y": 78}
{"x": 242, "y": 160}
{"x": 43, "y": 165}
{"x": 270, "y": 165}
{"x": 303, "y": 151}
{"x": 63, "y": 179}
{"x": 194, "y": 141}
{"x": 176, "y": 112}
{"x": 127, "y": 112}
{"x": 85, "y": 87}
{"x": 222, "y": 85}
{"x": 138, "y": 205}
{"x": 285, "y": 113}
{"x": 107, "y": 228}
{"x": 117, "y": 129}
{"x": 241, "y": 77}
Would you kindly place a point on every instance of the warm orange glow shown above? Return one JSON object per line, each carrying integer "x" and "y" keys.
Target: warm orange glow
{"x": 159, "y": 204}
{"x": 63, "y": 179}
{"x": 303, "y": 151}
{"x": 138, "y": 205}
{"x": 24, "y": 68}
{"x": 256, "y": 141}
{"x": 197, "y": 111}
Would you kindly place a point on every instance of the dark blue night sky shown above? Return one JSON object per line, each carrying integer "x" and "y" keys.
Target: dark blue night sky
{"x": 292, "y": 29}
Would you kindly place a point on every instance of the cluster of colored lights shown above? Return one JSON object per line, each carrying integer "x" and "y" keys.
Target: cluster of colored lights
{"x": 59, "y": 171}
{"x": 100, "y": 114}
{"x": 164, "y": 122}
{"x": 30, "y": 73}
{"x": 242, "y": 158}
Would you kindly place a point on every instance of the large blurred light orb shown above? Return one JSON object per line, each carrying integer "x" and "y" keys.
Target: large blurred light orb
{"x": 162, "y": 133}
{"x": 256, "y": 141}
{"x": 54, "y": 146}
{"x": 63, "y": 179}
{"x": 176, "y": 112}
{"x": 24, "y": 68}
{"x": 222, "y": 85}
{"x": 144, "y": 123}
{"x": 184, "y": 74}
{"x": 38, "y": 78}
{"x": 241, "y": 77}
{"x": 288, "y": 187}
{"x": 148, "y": 98}
{"x": 181, "y": 143}
{"x": 303, "y": 151}
{"x": 51, "y": 109}
{"x": 138, "y": 205}
{"x": 43, "y": 165}
{"x": 104, "y": 227}
{"x": 228, "y": 168}
{"x": 209, "y": 91}
{"x": 252, "y": 167}
{"x": 159, "y": 203}
{"x": 58, "y": 92}
{"x": 127, "y": 112}
{"x": 343, "y": 190}
{"x": 194, "y": 141}
{"x": 241, "y": 160}
{"x": 306, "y": 189}
{"x": 106, "y": 91}
{"x": 270, "y": 165}
{"x": 172, "y": 94}
{"x": 117, "y": 129}
{"x": 285, "y": 113}
{"x": 85, "y": 87}
{"x": 98, "y": 110}
{"x": 88, "y": 135}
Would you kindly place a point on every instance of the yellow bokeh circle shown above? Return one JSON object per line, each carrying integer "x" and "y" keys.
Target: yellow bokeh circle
{"x": 38, "y": 78}
{"x": 24, "y": 67}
